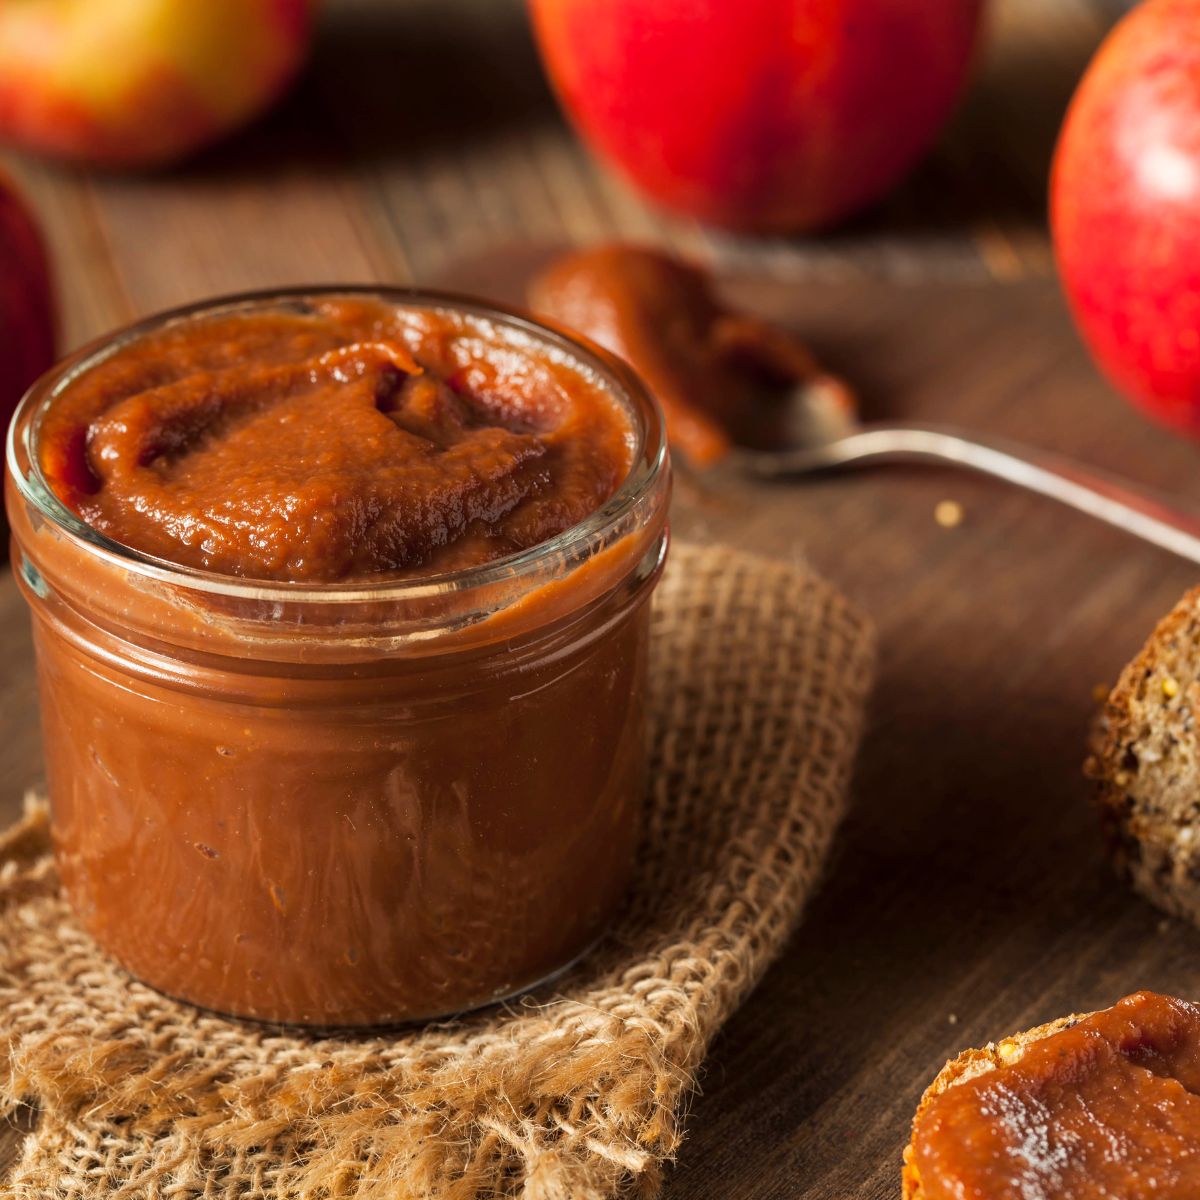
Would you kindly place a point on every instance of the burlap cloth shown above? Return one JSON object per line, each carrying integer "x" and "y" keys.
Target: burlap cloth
{"x": 759, "y": 678}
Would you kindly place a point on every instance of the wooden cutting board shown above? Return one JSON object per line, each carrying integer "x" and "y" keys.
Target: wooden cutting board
{"x": 968, "y": 897}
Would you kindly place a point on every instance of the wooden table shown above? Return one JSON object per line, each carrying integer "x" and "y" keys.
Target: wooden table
{"x": 968, "y": 896}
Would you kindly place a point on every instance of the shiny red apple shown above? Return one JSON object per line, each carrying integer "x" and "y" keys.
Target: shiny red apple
{"x": 1125, "y": 208}
{"x": 759, "y": 114}
{"x": 141, "y": 82}
{"x": 27, "y": 314}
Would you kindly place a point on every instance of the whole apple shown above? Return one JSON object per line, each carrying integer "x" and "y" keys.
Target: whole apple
{"x": 27, "y": 311}
{"x": 764, "y": 115}
{"x": 1125, "y": 208}
{"x": 142, "y": 82}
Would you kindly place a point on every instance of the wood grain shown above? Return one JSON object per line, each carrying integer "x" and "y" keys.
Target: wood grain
{"x": 968, "y": 897}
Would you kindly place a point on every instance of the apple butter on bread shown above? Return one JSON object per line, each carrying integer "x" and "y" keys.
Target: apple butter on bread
{"x": 1103, "y": 1105}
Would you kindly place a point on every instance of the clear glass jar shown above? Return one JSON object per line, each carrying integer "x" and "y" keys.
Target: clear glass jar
{"x": 345, "y": 805}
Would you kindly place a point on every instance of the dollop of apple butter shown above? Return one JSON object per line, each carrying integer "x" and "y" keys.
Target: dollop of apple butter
{"x": 336, "y": 441}
{"x": 723, "y": 377}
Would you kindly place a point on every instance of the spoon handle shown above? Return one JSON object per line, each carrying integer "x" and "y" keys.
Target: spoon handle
{"x": 1146, "y": 516}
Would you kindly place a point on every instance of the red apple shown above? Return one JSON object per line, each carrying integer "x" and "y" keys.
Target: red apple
{"x": 1125, "y": 208}
{"x": 759, "y": 114}
{"x": 142, "y": 82}
{"x": 27, "y": 321}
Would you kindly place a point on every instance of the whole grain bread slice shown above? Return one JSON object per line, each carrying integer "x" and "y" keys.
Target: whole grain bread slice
{"x": 969, "y": 1065}
{"x": 1146, "y": 759}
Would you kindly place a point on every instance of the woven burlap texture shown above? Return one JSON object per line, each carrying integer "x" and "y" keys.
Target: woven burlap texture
{"x": 760, "y": 671}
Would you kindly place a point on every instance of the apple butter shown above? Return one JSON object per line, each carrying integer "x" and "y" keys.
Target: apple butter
{"x": 341, "y": 617}
{"x": 724, "y": 378}
{"x": 313, "y": 445}
{"x": 1109, "y": 1106}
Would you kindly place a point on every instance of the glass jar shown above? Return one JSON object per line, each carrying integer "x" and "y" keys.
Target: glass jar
{"x": 345, "y": 805}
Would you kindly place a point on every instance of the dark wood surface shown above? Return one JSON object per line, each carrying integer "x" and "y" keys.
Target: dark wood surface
{"x": 967, "y": 897}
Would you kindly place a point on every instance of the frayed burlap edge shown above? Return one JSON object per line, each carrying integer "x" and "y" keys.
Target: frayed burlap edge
{"x": 760, "y": 675}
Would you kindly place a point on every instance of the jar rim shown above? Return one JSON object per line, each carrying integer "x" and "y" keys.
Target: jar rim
{"x": 650, "y": 454}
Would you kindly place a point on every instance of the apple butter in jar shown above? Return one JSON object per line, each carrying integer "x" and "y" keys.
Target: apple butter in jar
{"x": 341, "y": 612}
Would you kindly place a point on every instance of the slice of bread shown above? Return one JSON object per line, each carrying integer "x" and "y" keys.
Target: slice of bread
{"x": 1147, "y": 762}
{"x": 968, "y": 1065}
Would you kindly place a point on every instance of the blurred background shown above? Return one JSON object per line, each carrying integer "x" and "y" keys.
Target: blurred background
{"x": 424, "y": 132}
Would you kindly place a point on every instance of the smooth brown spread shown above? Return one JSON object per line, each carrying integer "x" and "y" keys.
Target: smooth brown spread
{"x": 1109, "y": 1107}
{"x": 331, "y": 443}
{"x": 722, "y": 377}
{"x": 333, "y": 809}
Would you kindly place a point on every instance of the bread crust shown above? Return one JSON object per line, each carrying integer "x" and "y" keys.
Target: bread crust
{"x": 969, "y": 1065}
{"x": 1146, "y": 762}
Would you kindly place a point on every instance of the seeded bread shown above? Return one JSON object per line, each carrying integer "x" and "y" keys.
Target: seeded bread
{"x": 968, "y": 1065}
{"x": 1147, "y": 762}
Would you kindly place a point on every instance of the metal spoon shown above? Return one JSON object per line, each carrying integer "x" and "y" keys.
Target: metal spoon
{"x": 825, "y": 435}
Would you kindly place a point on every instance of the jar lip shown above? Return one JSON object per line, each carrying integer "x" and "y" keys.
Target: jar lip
{"x": 649, "y": 458}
